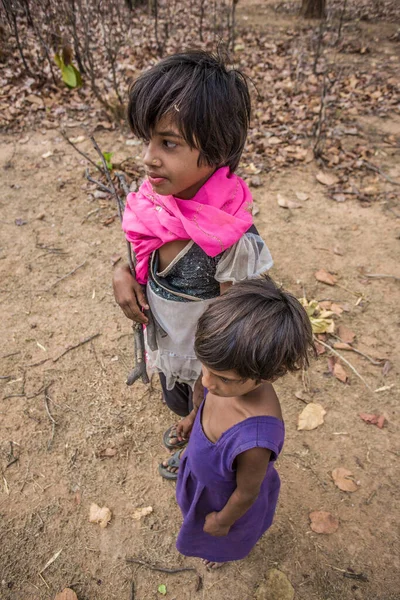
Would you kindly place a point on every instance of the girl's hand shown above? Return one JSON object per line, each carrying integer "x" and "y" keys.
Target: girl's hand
{"x": 129, "y": 294}
{"x": 184, "y": 427}
{"x": 213, "y": 527}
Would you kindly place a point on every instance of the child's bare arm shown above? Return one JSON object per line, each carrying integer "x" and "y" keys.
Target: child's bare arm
{"x": 251, "y": 468}
{"x": 184, "y": 427}
{"x": 129, "y": 294}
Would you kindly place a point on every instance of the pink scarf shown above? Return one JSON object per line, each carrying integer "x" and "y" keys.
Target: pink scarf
{"x": 215, "y": 218}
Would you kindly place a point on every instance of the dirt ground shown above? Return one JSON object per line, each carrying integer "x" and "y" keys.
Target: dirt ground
{"x": 61, "y": 469}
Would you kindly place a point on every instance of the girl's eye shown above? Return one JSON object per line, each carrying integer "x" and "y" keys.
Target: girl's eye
{"x": 169, "y": 145}
{"x": 225, "y": 380}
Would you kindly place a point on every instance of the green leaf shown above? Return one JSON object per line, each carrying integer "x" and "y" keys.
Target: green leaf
{"x": 69, "y": 73}
{"x": 107, "y": 158}
{"x": 162, "y": 589}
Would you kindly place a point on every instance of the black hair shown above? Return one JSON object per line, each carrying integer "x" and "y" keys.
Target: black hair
{"x": 209, "y": 103}
{"x": 255, "y": 329}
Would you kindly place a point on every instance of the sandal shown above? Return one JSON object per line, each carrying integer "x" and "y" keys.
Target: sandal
{"x": 170, "y": 434}
{"x": 174, "y": 461}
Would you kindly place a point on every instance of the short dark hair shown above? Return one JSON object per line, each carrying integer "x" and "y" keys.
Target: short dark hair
{"x": 209, "y": 103}
{"x": 255, "y": 329}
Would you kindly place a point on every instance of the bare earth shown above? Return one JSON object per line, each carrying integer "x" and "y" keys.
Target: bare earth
{"x": 61, "y": 469}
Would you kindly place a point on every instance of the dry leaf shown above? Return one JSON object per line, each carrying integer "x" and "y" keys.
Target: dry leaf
{"x": 301, "y": 395}
{"x": 320, "y": 348}
{"x": 99, "y": 515}
{"x": 336, "y": 308}
{"x": 302, "y": 196}
{"x": 343, "y": 479}
{"x": 78, "y": 140}
{"x": 285, "y": 203}
{"x": 139, "y": 513}
{"x": 311, "y": 417}
{"x": 346, "y": 334}
{"x": 339, "y": 197}
{"x": 386, "y": 367}
{"x": 47, "y": 154}
{"x": 325, "y": 277}
{"x": 378, "y": 420}
{"x": 340, "y": 372}
{"x": 66, "y": 594}
{"x": 327, "y": 178}
{"x": 276, "y": 587}
{"x": 323, "y": 522}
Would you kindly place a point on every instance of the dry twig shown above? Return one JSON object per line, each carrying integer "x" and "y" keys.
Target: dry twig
{"x": 345, "y": 361}
{"x": 53, "y": 421}
{"x": 65, "y": 276}
{"x": 69, "y": 348}
{"x": 152, "y": 567}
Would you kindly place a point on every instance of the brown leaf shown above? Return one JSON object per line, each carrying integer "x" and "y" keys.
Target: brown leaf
{"x": 320, "y": 348}
{"x": 311, "y": 417}
{"x": 66, "y": 594}
{"x": 386, "y": 367}
{"x": 285, "y": 203}
{"x": 343, "y": 479}
{"x": 378, "y": 420}
{"x": 99, "y": 515}
{"x": 340, "y": 373}
{"x": 139, "y": 513}
{"x": 346, "y": 334}
{"x": 336, "y": 308}
{"x": 327, "y": 178}
{"x": 325, "y": 277}
{"x": 323, "y": 522}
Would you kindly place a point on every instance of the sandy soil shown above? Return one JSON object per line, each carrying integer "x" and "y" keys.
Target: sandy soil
{"x": 61, "y": 469}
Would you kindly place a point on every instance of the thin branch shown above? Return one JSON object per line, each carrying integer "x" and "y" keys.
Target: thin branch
{"x": 85, "y": 341}
{"x": 376, "y": 169}
{"x": 345, "y": 361}
{"x": 65, "y": 276}
{"x": 100, "y": 185}
{"x": 381, "y": 276}
{"x": 75, "y": 147}
{"x": 53, "y": 421}
{"x": 152, "y": 567}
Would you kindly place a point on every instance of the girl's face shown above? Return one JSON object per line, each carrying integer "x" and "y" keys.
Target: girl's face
{"x": 227, "y": 384}
{"x": 171, "y": 165}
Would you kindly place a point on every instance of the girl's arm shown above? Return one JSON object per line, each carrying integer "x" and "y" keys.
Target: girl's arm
{"x": 184, "y": 427}
{"x": 251, "y": 469}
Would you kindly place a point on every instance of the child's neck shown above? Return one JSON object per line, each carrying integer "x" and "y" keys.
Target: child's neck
{"x": 191, "y": 191}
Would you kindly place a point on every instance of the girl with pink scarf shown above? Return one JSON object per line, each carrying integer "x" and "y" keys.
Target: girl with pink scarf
{"x": 190, "y": 223}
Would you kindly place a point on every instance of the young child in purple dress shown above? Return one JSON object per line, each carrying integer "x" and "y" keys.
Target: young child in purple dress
{"x": 227, "y": 485}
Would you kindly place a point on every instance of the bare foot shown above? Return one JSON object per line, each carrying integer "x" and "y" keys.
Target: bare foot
{"x": 212, "y": 565}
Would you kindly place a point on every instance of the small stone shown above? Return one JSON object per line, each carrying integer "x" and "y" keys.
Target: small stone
{"x": 276, "y": 587}
{"x": 256, "y": 181}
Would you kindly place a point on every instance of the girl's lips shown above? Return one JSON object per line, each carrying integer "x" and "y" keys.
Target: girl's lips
{"x": 156, "y": 180}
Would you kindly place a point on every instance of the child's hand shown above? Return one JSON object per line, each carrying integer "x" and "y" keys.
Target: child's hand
{"x": 213, "y": 527}
{"x": 129, "y": 294}
{"x": 184, "y": 427}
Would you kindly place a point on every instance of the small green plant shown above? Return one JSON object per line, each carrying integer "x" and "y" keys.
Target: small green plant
{"x": 162, "y": 589}
{"x": 69, "y": 73}
{"x": 107, "y": 158}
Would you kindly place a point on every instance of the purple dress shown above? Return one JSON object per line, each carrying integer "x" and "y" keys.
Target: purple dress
{"x": 207, "y": 479}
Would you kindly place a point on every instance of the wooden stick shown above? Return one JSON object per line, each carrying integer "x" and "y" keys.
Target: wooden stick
{"x": 85, "y": 341}
{"x": 66, "y": 138}
{"x": 152, "y": 567}
{"x": 381, "y": 276}
{"x": 65, "y": 276}
{"x": 345, "y": 361}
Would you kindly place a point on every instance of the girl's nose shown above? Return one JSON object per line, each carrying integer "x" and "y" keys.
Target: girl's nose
{"x": 149, "y": 158}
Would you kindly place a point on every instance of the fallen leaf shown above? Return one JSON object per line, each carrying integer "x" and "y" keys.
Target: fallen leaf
{"x": 302, "y": 196}
{"x": 343, "y": 479}
{"x": 311, "y": 417}
{"x": 340, "y": 372}
{"x": 78, "y": 140}
{"x": 386, "y": 367}
{"x": 320, "y": 348}
{"x": 323, "y": 522}
{"x": 325, "y": 277}
{"x": 99, "y": 515}
{"x": 339, "y": 197}
{"x": 337, "y": 251}
{"x": 139, "y": 513}
{"x": 24, "y": 140}
{"x": 378, "y": 420}
{"x": 285, "y": 203}
{"x": 336, "y": 308}
{"x": 66, "y": 594}
{"x": 346, "y": 334}
{"x": 327, "y": 178}
{"x": 47, "y": 154}
{"x": 108, "y": 221}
